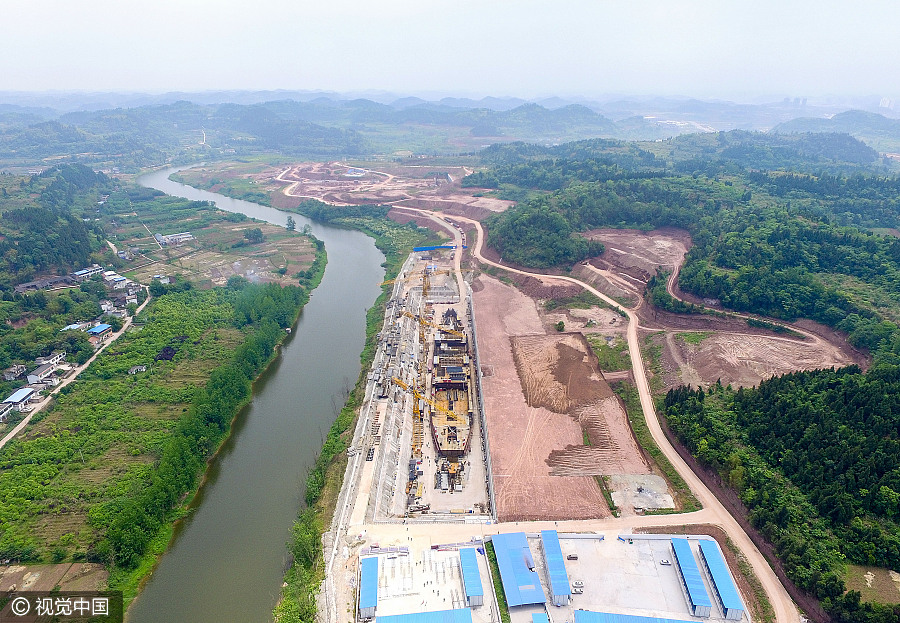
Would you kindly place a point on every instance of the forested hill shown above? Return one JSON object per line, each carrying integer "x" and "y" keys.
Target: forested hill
{"x": 47, "y": 223}
{"x": 782, "y": 242}
{"x": 875, "y": 129}
{"x": 130, "y": 138}
{"x": 815, "y": 456}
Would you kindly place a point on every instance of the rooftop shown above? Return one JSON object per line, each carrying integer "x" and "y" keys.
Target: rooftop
{"x": 556, "y": 567}
{"x": 19, "y": 395}
{"x": 686, "y": 562}
{"x": 100, "y": 328}
{"x": 587, "y": 616}
{"x": 368, "y": 583}
{"x": 471, "y": 577}
{"x": 521, "y": 583}
{"x": 721, "y": 577}
{"x": 459, "y": 615}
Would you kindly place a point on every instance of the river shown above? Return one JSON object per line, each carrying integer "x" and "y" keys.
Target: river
{"x": 226, "y": 560}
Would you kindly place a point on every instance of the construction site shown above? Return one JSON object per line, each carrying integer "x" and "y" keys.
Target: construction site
{"x": 424, "y": 438}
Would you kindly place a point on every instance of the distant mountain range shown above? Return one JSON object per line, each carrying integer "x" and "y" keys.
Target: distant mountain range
{"x": 875, "y": 130}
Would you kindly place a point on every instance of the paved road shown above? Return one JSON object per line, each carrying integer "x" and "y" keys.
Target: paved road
{"x": 70, "y": 379}
{"x": 713, "y": 511}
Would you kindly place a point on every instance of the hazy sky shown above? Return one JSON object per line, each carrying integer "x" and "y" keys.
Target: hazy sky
{"x": 705, "y": 48}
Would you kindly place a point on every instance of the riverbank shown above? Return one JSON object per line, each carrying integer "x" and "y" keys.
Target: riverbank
{"x": 130, "y": 581}
{"x": 323, "y": 486}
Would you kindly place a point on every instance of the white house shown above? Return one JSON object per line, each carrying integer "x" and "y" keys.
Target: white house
{"x": 19, "y": 399}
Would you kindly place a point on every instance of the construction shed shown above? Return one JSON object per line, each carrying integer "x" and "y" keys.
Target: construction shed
{"x": 725, "y": 591}
{"x": 691, "y": 581}
{"x": 458, "y": 615}
{"x": 468, "y": 562}
{"x": 521, "y": 583}
{"x": 560, "y": 593}
{"x": 587, "y": 616}
{"x": 540, "y": 617}
{"x": 368, "y": 587}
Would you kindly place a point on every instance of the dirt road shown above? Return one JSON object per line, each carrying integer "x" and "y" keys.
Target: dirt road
{"x": 21, "y": 425}
{"x": 713, "y": 511}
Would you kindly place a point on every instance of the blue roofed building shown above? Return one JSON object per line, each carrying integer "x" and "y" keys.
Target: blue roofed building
{"x": 458, "y": 615}
{"x": 587, "y": 616}
{"x": 691, "y": 580}
{"x": 468, "y": 562}
{"x": 560, "y": 593}
{"x": 725, "y": 591}
{"x": 521, "y": 583}
{"x": 540, "y": 617}
{"x": 368, "y": 587}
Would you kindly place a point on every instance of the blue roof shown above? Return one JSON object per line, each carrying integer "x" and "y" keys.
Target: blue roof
{"x": 471, "y": 577}
{"x": 368, "y": 583}
{"x": 721, "y": 578}
{"x": 20, "y": 395}
{"x": 100, "y": 328}
{"x": 556, "y": 568}
{"x": 418, "y": 249}
{"x": 685, "y": 560}
{"x": 586, "y": 616}
{"x": 540, "y": 617}
{"x": 459, "y": 615}
{"x": 521, "y": 585}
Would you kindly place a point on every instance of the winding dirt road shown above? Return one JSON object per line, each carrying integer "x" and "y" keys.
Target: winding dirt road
{"x": 713, "y": 511}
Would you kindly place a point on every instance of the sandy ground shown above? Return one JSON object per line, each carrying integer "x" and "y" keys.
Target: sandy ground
{"x": 638, "y": 253}
{"x": 340, "y": 184}
{"x": 739, "y": 359}
{"x": 522, "y": 437}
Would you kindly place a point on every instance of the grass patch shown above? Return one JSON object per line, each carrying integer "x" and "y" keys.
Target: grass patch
{"x": 683, "y": 496}
{"x": 612, "y": 357}
{"x": 652, "y": 354}
{"x": 582, "y": 300}
{"x": 607, "y": 494}
{"x": 873, "y": 583}
{"x": 498, "y": 583}
{"x": 694, "y": 338}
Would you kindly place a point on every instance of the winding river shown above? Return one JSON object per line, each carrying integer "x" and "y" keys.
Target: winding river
{"x": 226, "y": 560}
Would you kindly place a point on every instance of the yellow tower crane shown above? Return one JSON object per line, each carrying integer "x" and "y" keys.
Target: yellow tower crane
{"x": 420, "y": 396}
{"x": 423, "y": 322}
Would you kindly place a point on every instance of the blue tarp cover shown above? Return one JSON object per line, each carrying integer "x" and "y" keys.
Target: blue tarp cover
{"x": 721, "y": 577}
{"x": 520, "y": 585}
{"x": 556, "y": 566}
{"x": 471, "y": 576}
{"x": 685, "y": 560}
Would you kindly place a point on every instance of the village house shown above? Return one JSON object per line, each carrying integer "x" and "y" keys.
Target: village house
{"x": 99, "y": 333}
{"x": 86, "y": 273}
{"x": 55, "y": 358}
{"x": 21, "y": 397}
{"x": 13, "y": 372}
{"x": 43, "y": 374}
{"x": 135, "y": 369}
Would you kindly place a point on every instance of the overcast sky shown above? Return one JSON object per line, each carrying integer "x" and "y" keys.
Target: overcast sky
{"x": 526, "y": 48}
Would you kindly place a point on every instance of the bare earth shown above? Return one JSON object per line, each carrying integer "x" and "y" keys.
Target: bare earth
{"x": 742, "y": 360}
{"x": 523, "y": 437}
